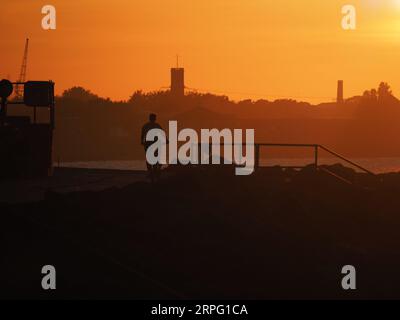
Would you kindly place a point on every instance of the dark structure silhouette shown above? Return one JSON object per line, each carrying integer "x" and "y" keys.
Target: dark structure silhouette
{"x": 26, "y": 144}
{"x": 22, "y": 76}
{"x": 178, "y": 82}
{"x": 340, "y": 98}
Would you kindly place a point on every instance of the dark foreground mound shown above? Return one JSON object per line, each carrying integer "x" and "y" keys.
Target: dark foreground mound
{"x": 209, "y": 234}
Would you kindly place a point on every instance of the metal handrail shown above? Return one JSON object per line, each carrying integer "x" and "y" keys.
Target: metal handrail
{"x": 347, "y": 160}
{"x": 316, "y": 153}
{"x": 316, "y": 148}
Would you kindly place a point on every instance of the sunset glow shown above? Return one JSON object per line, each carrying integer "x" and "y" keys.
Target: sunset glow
{"x": 257, "y": 49}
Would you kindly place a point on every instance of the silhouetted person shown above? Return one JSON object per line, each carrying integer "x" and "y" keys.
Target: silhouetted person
{"x": 153, "y": 170}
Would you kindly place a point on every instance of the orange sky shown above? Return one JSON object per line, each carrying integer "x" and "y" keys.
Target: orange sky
{"x": 243, "y": 48}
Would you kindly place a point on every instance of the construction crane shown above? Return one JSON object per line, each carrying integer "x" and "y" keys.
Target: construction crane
{"x": 22, "y": 75}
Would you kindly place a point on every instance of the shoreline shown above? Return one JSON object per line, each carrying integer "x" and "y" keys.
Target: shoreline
{"x": 206, "y": 233}
{"x": 80, "y": 179}
{"x": 381, "y": 165}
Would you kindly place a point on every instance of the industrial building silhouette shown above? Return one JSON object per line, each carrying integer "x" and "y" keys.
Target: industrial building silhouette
{"x": 178, "y": 82}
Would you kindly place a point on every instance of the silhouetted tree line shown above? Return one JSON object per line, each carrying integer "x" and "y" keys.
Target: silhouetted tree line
{"x": 379, "y": 104}
{"x": 164, "y": 103}
{"x": 77, "y": 98}
{"x": 382, "y": 95}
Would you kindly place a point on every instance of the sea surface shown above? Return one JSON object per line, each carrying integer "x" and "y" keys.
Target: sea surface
{"x": 376, "y": 165}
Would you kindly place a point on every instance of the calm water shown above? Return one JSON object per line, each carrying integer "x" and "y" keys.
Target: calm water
{"x": 377, "y": 165}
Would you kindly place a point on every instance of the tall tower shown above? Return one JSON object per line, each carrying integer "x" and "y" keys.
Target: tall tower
{"x": 340, "y": 98}
{"x": 22, "y": 75}
{"x": 178, "y": 80}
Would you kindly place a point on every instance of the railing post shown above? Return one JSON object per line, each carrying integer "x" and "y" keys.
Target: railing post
{"x": 257, "y": 157}
{"x": 316, "y": 156}
{"x": 210, "y": 153}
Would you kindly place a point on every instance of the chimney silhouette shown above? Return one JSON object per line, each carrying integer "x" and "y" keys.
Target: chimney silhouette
{"x": 339, "y": 98}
